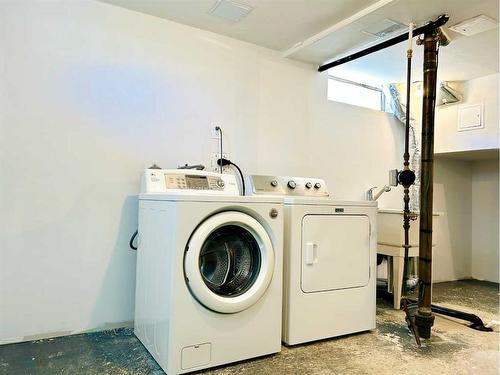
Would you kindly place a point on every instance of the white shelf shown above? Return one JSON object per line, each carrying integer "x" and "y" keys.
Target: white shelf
{"x": 469, "y": 155}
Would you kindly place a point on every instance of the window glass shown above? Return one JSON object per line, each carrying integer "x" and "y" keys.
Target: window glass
{"x": 354, "y": 93}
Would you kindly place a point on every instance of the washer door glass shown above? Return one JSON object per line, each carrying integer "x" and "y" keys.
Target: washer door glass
{"x": 230, "y": 261}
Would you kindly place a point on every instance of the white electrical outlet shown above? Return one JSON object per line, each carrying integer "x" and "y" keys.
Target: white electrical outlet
{"x": 213, "y": 162}
{"x": 214, "y": 133}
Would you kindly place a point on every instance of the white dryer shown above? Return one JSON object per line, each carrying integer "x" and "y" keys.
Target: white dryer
{"x": 209, "y": 271}
{"x": 329, "y": 259}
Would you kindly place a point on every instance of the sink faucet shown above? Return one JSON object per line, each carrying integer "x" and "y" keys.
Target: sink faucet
{"x": 371, "y": 197}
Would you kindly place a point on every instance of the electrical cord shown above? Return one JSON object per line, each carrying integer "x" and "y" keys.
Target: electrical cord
{"x": 242, "y": 178}
{"x": 223, "y": 162}
{"x": 131, "y": 242}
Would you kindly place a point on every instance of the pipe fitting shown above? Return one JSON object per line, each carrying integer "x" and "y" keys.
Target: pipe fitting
{"x": 424, "y": 321}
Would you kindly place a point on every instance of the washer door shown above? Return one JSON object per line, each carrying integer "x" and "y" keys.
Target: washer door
{"x": 229, "y": 262}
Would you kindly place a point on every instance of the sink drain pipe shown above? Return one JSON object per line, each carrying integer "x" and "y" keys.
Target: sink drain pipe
{"x": 424, "y": 319}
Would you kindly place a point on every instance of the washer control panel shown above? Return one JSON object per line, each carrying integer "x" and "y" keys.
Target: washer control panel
{"x": 286, "y": 185}
{"x": 188, "y": 181}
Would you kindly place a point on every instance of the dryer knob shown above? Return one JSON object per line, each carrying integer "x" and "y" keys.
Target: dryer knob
{"x": 292, "y": 184}
{"x": 274, "y": 183}
{"x": 317, "y": 185}
{"x": 309, "y": 185}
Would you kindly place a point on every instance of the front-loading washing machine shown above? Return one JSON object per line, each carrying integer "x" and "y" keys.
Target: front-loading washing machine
{"x": 329, "y": 259}
{"x": 209, "y": 271}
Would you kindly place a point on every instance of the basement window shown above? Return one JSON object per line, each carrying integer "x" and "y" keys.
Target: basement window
{"x": 355, "y": 93}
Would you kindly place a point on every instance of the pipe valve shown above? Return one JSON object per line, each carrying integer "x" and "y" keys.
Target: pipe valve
{"x": 405, "y": 177}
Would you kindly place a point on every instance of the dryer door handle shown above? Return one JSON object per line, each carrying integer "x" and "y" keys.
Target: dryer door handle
{"x": 311, "y": 255}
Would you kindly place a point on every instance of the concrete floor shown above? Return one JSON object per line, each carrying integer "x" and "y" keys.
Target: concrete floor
{"x": 453, "y": 349}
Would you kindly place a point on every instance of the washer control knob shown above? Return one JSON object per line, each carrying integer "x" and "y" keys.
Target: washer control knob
{"x": 309, "y": 185}
{"x": 317, "y": 185}
{"x": 274, "y": 183}
{"x": 220, "y": 183}
{"x": 292, "y": 184}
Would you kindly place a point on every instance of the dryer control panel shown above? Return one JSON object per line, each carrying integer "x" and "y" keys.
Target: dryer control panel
{"x": 188, "y": 181}
{"x": 287, "y": 185}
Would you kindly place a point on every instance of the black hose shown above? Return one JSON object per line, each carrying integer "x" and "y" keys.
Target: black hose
{"x": 476, "y": 322}
{"x": 131, "y": 242}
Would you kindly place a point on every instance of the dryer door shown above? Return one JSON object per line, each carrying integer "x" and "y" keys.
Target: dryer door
{"x": 335, "y": 252}
{"x": 229, "y": 262}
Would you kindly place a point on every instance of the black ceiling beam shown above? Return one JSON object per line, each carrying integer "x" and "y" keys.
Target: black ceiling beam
{"x": 429, "y": 27}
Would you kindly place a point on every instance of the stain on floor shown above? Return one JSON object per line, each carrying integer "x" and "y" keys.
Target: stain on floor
{"x": 453, "y": 349}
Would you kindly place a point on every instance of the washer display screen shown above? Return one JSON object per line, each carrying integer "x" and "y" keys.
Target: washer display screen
{"x": 197, "y": 182}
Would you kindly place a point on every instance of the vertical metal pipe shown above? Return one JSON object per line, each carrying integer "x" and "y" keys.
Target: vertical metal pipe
{"x": 407, "y": 178}
{"x": 424, "y": 318}
{"x": 406, "y": 166}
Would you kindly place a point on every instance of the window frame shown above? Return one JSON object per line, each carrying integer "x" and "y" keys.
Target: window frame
{"x": 365, "y": 86}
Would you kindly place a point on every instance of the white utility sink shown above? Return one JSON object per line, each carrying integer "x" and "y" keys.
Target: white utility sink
{"x": 391, "y": 238}
{"x": 390, "y": 228}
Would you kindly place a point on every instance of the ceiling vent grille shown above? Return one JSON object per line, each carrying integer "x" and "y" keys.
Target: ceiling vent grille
{"x": 230, "y": 10}
{"x": 385, "y": 28}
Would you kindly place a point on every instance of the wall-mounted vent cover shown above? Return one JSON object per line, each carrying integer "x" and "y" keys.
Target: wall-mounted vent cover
{"x": 230, "y": 10}
{"x": 385, "y": 28}
{"x": 475, "y": 25}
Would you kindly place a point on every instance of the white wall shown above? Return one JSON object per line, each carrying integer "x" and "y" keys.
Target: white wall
{"x": 91, "y": 94}
{"x": 467, "y": 192}
{"x": 454, "y": 192}
{"x": 452, "y": 197}
{"x": 476, "y": 91}
{"x": 485, "y": 254}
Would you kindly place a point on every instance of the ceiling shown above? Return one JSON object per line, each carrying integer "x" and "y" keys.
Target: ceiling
{"x": 465, "y": 57}
{"x": 317, "y": 31}
{"x": 275, "y": 24}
